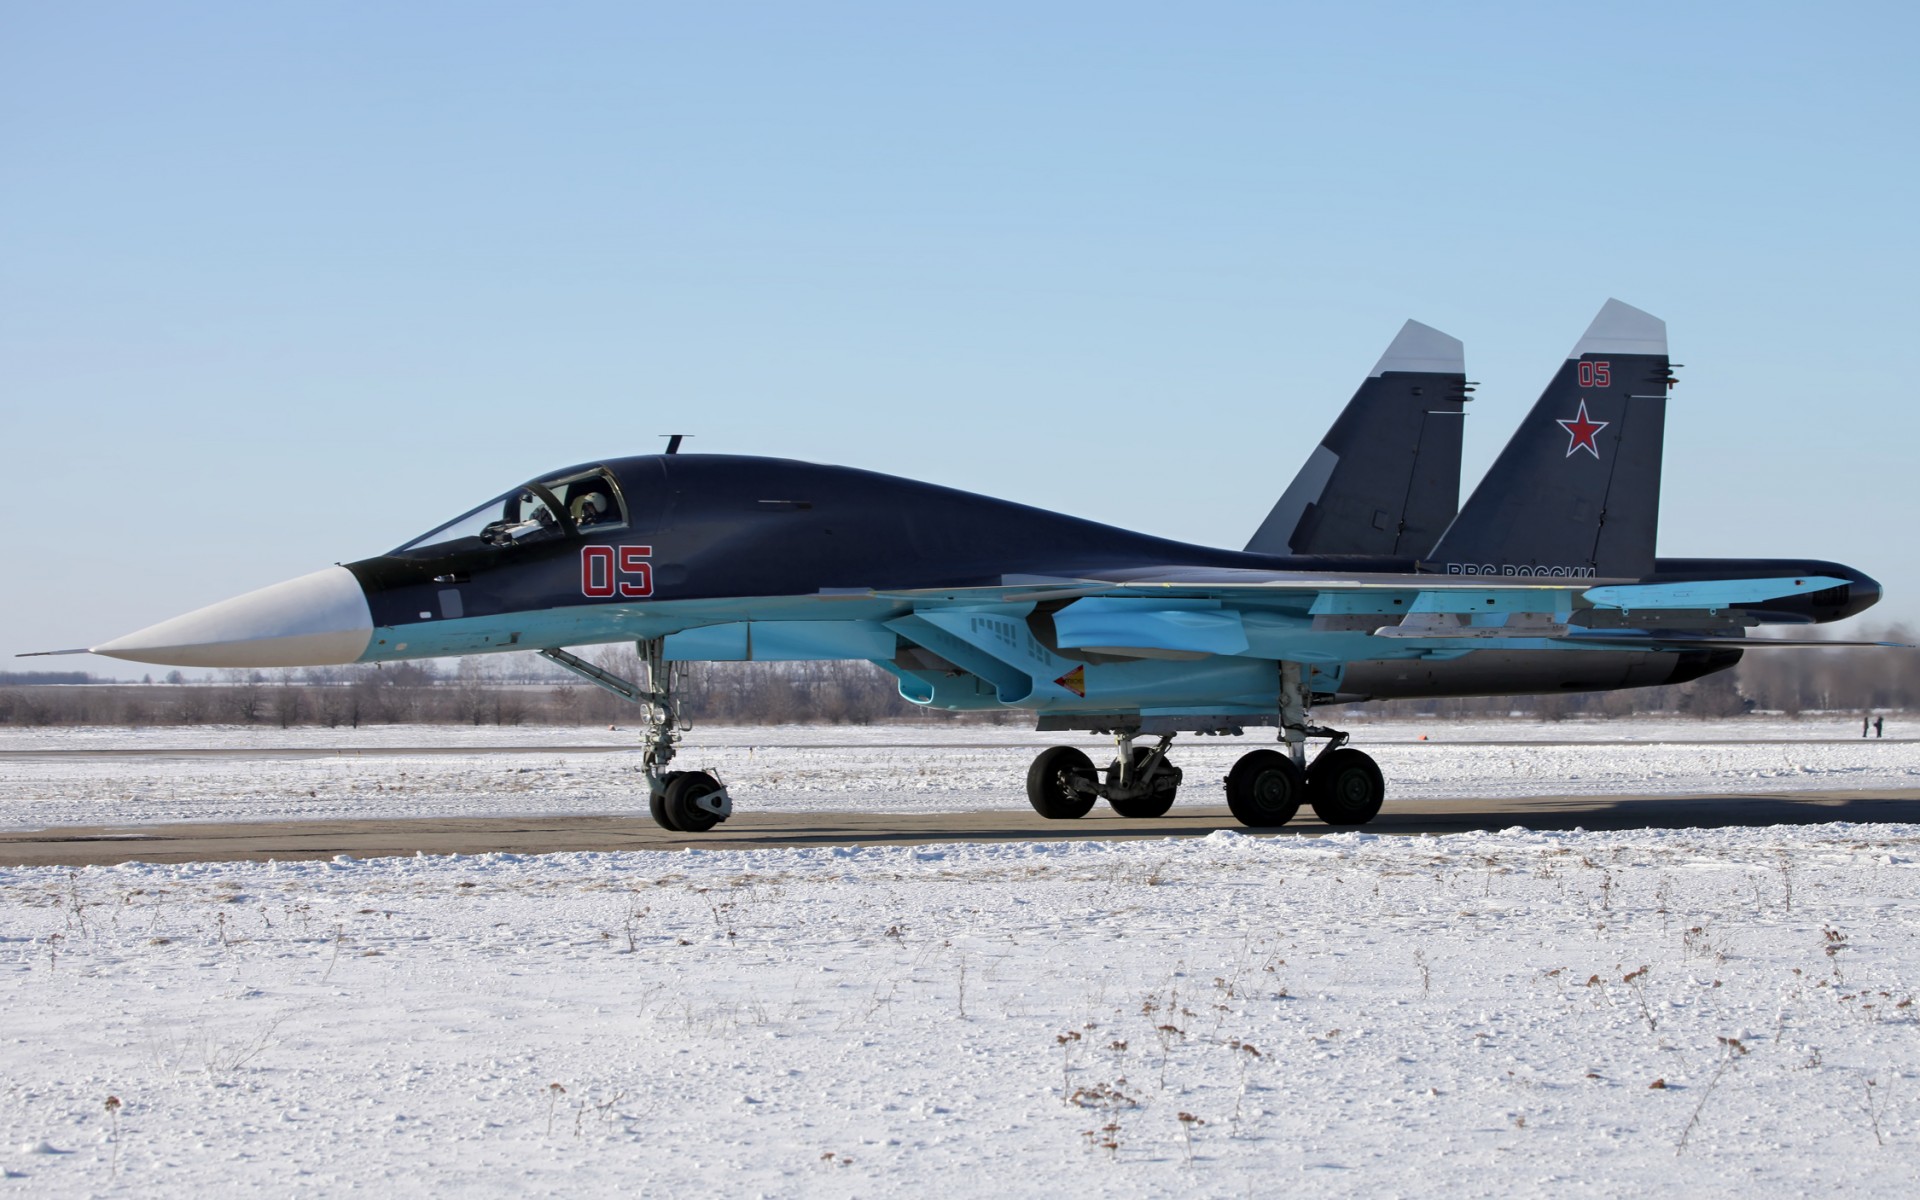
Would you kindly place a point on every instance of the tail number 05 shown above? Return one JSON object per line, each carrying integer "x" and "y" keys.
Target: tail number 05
{"x": 607, "y": 571}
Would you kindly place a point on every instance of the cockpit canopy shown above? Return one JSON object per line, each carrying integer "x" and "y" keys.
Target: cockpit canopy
{"x": 563, "y": 506}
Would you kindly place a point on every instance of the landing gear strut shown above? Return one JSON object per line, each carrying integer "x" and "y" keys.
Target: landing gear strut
{"x": 1141, "y": 782}
{"x": 680, "y": 801}
{"x": 1062, "y": 783}
{"x": 1266, "y": 788}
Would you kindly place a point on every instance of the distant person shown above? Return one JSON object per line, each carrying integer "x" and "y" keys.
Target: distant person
{"x": 1879, "y": 725}
{"x": 1865, "y": 724}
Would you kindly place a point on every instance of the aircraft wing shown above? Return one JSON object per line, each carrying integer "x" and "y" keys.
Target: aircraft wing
{"x": 1320, "y": 591}
{"x": 1205, "y": 611}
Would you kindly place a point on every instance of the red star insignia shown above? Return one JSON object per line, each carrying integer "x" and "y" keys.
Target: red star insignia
{"x": 1581, "y": 431}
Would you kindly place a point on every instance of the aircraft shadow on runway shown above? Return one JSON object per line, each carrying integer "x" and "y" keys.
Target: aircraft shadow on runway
{"x": 292, "y": 840}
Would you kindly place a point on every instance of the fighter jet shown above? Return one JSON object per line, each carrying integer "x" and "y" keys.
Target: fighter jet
{"x": 1362, "y": 583}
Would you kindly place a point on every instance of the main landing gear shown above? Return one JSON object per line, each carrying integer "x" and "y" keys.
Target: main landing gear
{"x": 1343, "y": 786}
{"x": 1062, "y": 783}
{"x": 1266, "y": 787}
{"x": 680, "y": 801}
{"x": 1264, "y": 790}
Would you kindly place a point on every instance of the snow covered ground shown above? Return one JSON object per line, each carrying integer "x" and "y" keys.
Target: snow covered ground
{"x": 128, "y": 777}
{"x": 1721, "y": 1013}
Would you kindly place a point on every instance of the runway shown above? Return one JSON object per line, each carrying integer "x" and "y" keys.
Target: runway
{"x": 748, "y": 830}
{"x": 296, "y": 753}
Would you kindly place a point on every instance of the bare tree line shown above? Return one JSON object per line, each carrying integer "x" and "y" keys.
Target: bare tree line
{"x": 518, "y": 689}
{"x": 476, "y": 691}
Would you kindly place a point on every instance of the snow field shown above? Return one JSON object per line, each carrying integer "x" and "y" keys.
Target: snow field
{"x": 310, "y": 773}
{"x": 1482, "y": 1013}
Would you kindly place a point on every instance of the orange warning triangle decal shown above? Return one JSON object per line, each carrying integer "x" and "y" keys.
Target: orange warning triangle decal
{"x": 1075, "y": 681}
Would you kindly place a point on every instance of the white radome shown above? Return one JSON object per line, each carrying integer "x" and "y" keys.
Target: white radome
{"x": 316, "y": 620}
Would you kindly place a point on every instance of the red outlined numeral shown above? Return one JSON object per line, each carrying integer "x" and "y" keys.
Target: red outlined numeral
{"x": 605, "y": 573}
{"x": 633, "y": 562}
{"x": 1595, "y": 374}
{"x": 596, "y": 571}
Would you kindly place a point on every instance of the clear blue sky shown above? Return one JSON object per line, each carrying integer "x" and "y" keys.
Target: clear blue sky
{"x": 283, "y": 285}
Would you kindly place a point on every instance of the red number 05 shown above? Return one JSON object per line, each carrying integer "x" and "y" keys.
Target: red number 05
{"x": 604, "y": 574}
{"x": 1595, "y": 374}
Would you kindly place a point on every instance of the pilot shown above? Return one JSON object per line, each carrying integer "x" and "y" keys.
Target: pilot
{"x": 588, "y": 509}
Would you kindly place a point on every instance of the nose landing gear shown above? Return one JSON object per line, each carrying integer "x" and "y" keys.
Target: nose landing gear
{"x": 679, "y": 801}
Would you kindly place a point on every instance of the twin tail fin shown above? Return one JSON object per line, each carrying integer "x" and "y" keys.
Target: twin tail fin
{"x": 1385, "y": 480}
{"x": 1576, "y": 491}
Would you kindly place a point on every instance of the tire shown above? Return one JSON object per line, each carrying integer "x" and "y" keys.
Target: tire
{"x": 1155, "y": 803}
{"x": 1047, "y": 789}
{"x": 1264, "y": 789}
{"x": 657, "y": 803}
{"x": 1346, "y": 788}
{"x": 681, "y": 794}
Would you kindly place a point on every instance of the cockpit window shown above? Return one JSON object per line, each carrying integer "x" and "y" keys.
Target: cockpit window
{"x": 529, "y": 514}
{"x": 564, "y": 506}
{"x": 591, "y": 500}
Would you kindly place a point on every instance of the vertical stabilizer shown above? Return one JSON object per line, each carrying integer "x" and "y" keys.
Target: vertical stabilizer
{"x": 1576, "y": 492}
{"x": 1385, "y": 480}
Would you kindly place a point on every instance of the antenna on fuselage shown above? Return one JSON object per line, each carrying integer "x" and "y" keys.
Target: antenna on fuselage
{"x": 674, "y": 440}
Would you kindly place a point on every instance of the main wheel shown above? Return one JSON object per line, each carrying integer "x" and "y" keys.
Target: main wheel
{"x": 680, "y": 797}
{"x": 1264, "y": 789}
{"x": 1048, "y": 786}
{"x": 1345, "y": 788}
{"x": 1166, "y": 781}
{"x": 657, "y": 802}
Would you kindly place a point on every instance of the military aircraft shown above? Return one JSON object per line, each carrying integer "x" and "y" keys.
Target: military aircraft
{"x": 1362, "y": 583}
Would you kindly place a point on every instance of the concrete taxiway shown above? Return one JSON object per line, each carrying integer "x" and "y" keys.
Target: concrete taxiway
{"x": 748, "y": 830}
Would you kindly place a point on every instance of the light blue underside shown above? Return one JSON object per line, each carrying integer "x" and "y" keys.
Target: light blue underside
{"x": 1195, "y": 654}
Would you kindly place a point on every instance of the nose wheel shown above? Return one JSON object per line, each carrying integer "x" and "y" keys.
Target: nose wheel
{"x": 678, "y": 801}
{"x": 687, "y": 802}
{"x": 657, "y": 802}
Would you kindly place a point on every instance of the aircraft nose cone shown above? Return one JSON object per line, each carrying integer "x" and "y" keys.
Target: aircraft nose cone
{"x": 315, "y": 620}
{"x": 1862, "y": 594}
